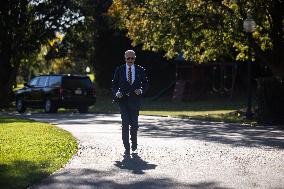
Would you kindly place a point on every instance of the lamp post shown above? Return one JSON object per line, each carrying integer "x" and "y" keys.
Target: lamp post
{"x": 249, "y": 27}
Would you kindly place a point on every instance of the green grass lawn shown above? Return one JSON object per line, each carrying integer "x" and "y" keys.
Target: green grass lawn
{"x": 30, "y": 151}
{"x": 210, "y": 109}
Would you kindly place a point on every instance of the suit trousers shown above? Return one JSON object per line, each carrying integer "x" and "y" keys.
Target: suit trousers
{"x": 129, "y": 117}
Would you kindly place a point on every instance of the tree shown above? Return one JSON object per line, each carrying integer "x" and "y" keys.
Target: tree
{"x": 96, "y": 11}
{"x": 25, "y": 25}
{"x": 78, "y": 43}
{"x": 205, "y": 30}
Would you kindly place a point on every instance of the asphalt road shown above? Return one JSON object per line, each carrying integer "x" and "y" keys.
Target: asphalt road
{"x": 172, "y": 153}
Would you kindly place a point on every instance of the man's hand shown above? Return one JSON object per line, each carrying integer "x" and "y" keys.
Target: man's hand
{"x": 138, "y": 91}
{"x": 118, "y": 95}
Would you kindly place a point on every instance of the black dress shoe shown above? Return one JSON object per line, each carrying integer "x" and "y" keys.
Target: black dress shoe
{"x": 134, "y": 147}
{"x": 127, "y": 153}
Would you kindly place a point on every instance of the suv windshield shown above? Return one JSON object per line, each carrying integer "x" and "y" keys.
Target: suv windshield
{"x": 77, "y": 82}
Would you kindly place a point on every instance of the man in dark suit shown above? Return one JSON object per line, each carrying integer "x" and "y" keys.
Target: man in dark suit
{"x": 128, "y": 84}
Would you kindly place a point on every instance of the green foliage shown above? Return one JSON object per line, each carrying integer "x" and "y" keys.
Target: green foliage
{"x": 25, "y": 26}
{"x": 30, "y": 151}
{"x": 201, "y": 30}
{"x": 74, "y": 49}
{"x": 79, "y": 42}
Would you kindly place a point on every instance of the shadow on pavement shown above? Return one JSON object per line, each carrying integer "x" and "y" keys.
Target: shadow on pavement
{"x": 9, "y": 119}
{"x": 64, "y": 118}
{"x": 134, "y": 164}
{"x": 154, "y": 126}
{"x": 231, "y": 134}
{"x": 90, "y": 178}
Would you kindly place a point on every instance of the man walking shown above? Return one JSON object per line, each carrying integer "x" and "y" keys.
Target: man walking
{"x": 128, "y": 84}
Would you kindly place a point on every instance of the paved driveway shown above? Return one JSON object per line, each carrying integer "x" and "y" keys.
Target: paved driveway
{"x": 172, "y": 153}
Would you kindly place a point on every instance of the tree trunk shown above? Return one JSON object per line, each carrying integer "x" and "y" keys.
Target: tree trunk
{"x": 5, "y": 72}
{"x": 8, "y": 72}
{"x": 277, "y": 64}
{"x": 99, "y": 56}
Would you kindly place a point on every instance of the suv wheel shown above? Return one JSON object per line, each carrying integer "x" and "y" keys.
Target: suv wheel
{"x": 20, "y": 106}
{"x": 49, "y": 106}
{"x": 83, "y": 109}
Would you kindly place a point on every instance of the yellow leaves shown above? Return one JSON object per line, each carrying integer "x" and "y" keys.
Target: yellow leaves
{"x": 203, "y": 44}
{"x": 51, "y": 42}
{"x": 56, "y": 64}
{"x": 55, "y": 43}
{"x": 232, "y": 4}
{"x": 115, "y": 8}
{"x": 118, "y": 12}
{"x": 156, "y": 36}
{"x": 264, "y": 40}
{"x": 172, "y": 41}
{"x": 240, "y": 56}
{"x": 194, "y": 4}
{"x": 58, "y": 38}
{"x": 242, "y": 49}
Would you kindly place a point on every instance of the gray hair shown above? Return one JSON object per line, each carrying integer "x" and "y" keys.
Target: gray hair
{"x": 129, "y": 52}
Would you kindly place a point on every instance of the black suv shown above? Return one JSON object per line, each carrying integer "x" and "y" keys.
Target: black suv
{"x": 55, "y": 91}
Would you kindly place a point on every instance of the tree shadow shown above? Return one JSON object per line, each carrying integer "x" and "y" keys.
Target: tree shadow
{"x": 10, "y": 119}
{"x": 113, "y": 179}
{"x": 202, "y": 185}
{"x": 135, "y": 164}
{"x": 231, "y": 134}
{"x": 61, "y": 118}
{"x": 21, "y": 174}
{"x": 213, "y": 104}
{"x": 153, "y": 126}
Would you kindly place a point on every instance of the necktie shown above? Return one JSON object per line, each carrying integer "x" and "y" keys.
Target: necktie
{"x": 129, "y": 75}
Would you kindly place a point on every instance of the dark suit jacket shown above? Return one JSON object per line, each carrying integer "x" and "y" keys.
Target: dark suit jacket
{"x": 120, "y": 83}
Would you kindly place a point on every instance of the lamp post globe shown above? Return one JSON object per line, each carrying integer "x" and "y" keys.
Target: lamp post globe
{"x": 249, "y": 27}
{"x": 249, "y": 24}
{"x": 88, "y": 70}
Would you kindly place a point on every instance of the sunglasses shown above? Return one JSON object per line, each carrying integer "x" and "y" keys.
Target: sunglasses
{"x": 130, "y": 58}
